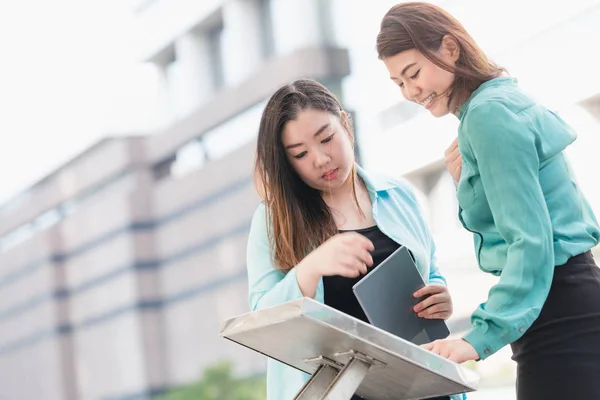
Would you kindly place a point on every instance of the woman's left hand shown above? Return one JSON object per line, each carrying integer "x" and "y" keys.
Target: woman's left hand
{"x": 437, "y": 305}
{"x": 457, "y": 350}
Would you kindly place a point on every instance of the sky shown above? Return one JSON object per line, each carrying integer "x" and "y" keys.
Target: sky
{"x": 67, "y": 79}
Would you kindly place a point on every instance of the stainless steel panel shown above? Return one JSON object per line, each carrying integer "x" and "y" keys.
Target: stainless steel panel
{"x": 304, "y": 329}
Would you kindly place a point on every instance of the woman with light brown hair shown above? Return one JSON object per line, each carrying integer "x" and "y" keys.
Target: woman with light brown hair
{"x": 532, "y": 226}
{"x": 324, "y": 222}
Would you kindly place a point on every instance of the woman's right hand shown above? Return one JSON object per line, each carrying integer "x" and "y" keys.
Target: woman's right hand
{"x": 345, "y": 254}
{"x": 453, "y": 160}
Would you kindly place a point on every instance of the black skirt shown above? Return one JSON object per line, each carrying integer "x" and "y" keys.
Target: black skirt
{"x": 559, "y": 355}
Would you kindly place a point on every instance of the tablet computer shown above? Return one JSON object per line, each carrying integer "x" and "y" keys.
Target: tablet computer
{"x": 386, "y": 297}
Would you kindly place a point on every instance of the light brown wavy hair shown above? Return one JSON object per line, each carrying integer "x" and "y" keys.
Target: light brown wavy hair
{"x": 298, "y": 220}
{"x": 422, "y": 26}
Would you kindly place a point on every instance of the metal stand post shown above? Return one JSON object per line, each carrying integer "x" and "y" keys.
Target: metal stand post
{"x": 332, "y": 381}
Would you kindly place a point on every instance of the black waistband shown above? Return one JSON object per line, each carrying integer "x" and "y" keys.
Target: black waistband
{"x": 583, "y": 258}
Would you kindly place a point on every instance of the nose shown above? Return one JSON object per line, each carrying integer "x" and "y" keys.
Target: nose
{"x": 411, "y": 91}
{"x": 321, "y": 159}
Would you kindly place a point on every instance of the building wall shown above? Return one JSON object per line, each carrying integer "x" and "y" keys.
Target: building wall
{"x": 119, "y": 268}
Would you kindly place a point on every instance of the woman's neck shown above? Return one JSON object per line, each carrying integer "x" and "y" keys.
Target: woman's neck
{"x": 351, "y": 211}
{"x": 344, "y": 193}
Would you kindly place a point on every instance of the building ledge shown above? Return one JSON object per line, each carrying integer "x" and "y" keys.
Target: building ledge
{"x": 316, "y": 63}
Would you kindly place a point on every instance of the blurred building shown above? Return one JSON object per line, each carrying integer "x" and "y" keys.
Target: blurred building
{"x": 117, "y": 269}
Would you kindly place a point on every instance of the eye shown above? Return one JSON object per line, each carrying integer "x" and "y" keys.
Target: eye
{"x": 414, "y": 76}
{"x": 299, "y": 156}
{"x": 327, "y": 139}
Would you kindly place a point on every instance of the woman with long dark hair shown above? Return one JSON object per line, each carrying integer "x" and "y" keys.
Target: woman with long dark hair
{"x": 324, "y": 222}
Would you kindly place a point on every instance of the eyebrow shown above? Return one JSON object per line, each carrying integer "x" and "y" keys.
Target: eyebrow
{"x": 321, "y": 129}
{"x": 404, "y": 70}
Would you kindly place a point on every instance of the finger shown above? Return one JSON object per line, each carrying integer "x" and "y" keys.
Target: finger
{"x": 441, "y": 307}
{"x": 453, "y": 156}
{"x": 364, "y": 256}
{"x": 358, "y": 265}
{"x": 437, "y": 347}
{"x": 428, "y": 302}
{"x": 440, "y": 315}
{"x": 438, "y": 307}
{"x": 349, "y": 268}
{"x": 361, "y": 258}
{"x": 368, "y": 245}
{"x": 457, "y": 358}
{"x": 432, "y": 288}
{"x": 452, "y": 146}
{"x": 457, "y": 167}
{"x": 446, "y": 352}
{"x": 362, "y": 268}
{"x": 349, "y": 273}
{"x": 428, "y": 346}
{"x": 431, "y": 300}
{"x": 355, "y": 240}
{"x": 362, "y": 242}
{"x": 452, "y": 163}
{"x": 456, "y": 176}
{"x": 456, "y": 173}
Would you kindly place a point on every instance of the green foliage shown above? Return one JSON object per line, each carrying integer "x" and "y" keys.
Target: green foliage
{"x": 219, "y": 383}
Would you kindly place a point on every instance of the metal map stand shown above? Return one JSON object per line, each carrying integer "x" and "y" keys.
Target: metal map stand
{"x": 345, "y": 356}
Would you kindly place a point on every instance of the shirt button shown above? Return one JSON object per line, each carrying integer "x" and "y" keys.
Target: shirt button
{"x": 486, "y": 351}
{"x": 521, "y": 329}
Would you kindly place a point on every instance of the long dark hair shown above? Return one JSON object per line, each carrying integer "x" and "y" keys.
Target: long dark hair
{"x": 422, "y": 26}
{"x": 297, "y": 217}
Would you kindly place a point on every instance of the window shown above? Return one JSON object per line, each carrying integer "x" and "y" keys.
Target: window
{"x": 17, "y": 236}
{"x": 215, "y": 44}
{"x": 213, "y": 144}
{"x": 266, "y": 28}
{"x": 234, "y": 133}
{"x": 189, "y": 157}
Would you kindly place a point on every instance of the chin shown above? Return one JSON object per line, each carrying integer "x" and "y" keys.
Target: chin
{"x": 440, "y": 113}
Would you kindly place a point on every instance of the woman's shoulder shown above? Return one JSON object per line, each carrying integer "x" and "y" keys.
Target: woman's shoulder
{"x": 378, "y": 182}
{"x": 497, "y": 98}
{"x": 259, "y": 223}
